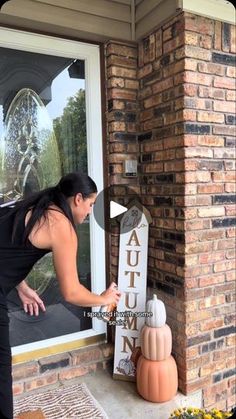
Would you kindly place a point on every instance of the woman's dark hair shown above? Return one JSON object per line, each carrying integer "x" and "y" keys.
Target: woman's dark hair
{"x": 68, "y": 186}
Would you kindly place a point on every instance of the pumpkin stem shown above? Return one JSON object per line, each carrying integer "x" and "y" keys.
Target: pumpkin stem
{"x": 154, "y": 297}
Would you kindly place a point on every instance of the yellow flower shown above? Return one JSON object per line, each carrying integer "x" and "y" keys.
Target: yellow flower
{"x": 218, "y": 415}
{"x": 190, "y": 409}
{"x": 207, "y": 416}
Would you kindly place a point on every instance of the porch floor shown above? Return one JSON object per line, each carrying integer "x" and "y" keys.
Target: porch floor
{"x": 120, "y": 399}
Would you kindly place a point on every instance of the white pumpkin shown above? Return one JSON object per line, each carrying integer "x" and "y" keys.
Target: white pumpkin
{"x": 158, "y": 310}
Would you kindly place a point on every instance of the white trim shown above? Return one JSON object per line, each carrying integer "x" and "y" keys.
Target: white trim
{"x": 46, "y": 343}
{"x": 10, "y": 38}
{"x": 221, "y": 10}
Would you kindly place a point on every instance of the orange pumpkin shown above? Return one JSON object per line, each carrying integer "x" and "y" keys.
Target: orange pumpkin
{"x": 157, "y": 381}
{"x": 156, "y": 342}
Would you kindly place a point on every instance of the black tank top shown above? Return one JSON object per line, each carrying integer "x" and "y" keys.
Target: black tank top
{"x": 16, "y": 259}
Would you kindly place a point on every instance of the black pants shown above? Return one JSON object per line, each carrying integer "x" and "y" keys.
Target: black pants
{"x": 6, "y": 397}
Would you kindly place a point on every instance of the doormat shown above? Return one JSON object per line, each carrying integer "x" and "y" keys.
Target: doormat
{"x": 69, "y": 402}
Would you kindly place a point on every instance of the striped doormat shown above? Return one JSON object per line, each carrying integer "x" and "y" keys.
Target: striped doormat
{"x": 69, "y": 402}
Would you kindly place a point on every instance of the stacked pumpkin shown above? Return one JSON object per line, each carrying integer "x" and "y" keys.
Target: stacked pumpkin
{"x": 157, "y": 379}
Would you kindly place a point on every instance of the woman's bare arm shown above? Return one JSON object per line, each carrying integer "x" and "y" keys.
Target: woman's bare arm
{"x": 64, "y": 244}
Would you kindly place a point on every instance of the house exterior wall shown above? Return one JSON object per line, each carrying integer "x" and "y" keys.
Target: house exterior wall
{"x": 185, "y": 139}
{"x": 170, "y": 104}
{"x": 57, "y": 369}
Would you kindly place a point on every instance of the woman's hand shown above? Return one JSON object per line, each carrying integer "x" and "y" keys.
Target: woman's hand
{"x": 111, "y": 295}
{"x": 30, "y": 299}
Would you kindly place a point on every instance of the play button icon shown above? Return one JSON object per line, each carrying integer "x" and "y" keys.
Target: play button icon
{"x": 116, "y": 209}
{"x": 111, "y": 203}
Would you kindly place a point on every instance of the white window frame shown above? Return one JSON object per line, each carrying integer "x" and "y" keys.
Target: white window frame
{"x": 43, "y": 44}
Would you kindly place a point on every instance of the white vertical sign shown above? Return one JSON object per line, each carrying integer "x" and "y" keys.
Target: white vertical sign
{"x": 132, "y": 282}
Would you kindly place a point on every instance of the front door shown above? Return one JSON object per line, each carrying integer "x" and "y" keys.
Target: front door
{"x": 50, "y": 125}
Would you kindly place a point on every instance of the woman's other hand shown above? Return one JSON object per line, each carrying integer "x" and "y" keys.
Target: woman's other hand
{"x": 111, "y": 295}
{"x": 30, "y": 299}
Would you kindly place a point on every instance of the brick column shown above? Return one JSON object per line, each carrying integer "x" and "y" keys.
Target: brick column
{"x": 121, "y": 117}
{"x": 209, "y": 114}
{"x": 185, "y": 132}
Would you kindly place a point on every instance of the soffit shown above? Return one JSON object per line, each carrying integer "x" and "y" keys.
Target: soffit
{"x": 101, "y": 20}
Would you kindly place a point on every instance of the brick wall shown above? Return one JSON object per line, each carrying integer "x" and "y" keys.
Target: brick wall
{"x": 121, "y": 118}
{"x": 162, "y": 169}
{"x": 170, "y": 104}
{"x": 56, "y": 369}
{"x": 185, "y": 138}
{"x": 209, "y": 115}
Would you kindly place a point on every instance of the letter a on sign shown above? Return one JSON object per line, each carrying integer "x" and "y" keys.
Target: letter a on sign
{"x": 132, "y": 282}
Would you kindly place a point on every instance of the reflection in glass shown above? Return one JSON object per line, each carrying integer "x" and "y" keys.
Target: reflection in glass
{"x": 30, "y": 156}
{"x": 43, "y": 137}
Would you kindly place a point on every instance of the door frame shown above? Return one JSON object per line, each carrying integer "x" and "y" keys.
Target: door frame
{"x": 90, "y": 53}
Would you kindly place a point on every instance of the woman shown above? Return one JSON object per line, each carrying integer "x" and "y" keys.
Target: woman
{"x": 44, "y": 222}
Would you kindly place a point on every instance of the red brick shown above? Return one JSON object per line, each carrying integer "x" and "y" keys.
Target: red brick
{"x": 224, "y": 244}
{"x": 211, "y": 325}
{"x": 223, "y": 176}
{"x": 121, "y": 61}
{"x": 18, "y": 388}
{"x": 210, "y": 92}
{"x": 224, "y": 153}
{"x": 198, "y": 152}
{"x": 131, "y": 84}
{"x": 191, "y": 38}
{"x": 210, "y": 189}
{"x": 189, "y": 115}
{"x": 205, "y": 41}
{"x": 224, "y": 266}
{"x": 24, "y": 370}
{"x": 159, "y": 43}
{"x": 211, "y": 302}
{"x": 147, "y": 114}
{"x": 231, "y": 72}
{"x": 224, "y": 82}
{"x": 173, "y": 44}
{"x": 197, "y": 177}
{"x": 211, "y": 280}
{"x": 75, "y": 372}
{"x": 224, "y": 130}
{"x": 190, "y": 90}
{"x": 230, "y": 95}
{"x": 197, "y": 103}
{"x": 147, "y": 69}
{"x": 152, "y": 101}
{"x": 197, "y": 53}
{"x": 210, "y": 117}
{"x": 117, "y": 126}
{"x": 122, "y": 94}
{"x": 223, "y": 106}
{"x": 211, "y": 68}
{"x": 217, "y": 35}
{"x": 190, "y": 64}
{"x": 118, "y": 104}
{"x": 162, "y": 85}
{"x": 199, "y": 24}
{"x": 121, "y": 72}
{"x": 120, "y": 49}
{"x": 230, "y": 210}
{"x": 230, "y": 187}
{"x": 197, "y": 78}
{"x": 42, "y": 381}
{"x": 211, "y": 212}
{"x": 233, "y": 39}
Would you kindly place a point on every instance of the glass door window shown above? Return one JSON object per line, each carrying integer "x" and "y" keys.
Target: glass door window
{"x": 46, "y": 129}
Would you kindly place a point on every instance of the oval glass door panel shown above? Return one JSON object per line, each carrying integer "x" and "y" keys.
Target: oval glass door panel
{"x": 31, "y": 158}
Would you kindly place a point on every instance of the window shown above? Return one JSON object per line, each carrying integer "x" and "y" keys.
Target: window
{"x": 50, "y": 125}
